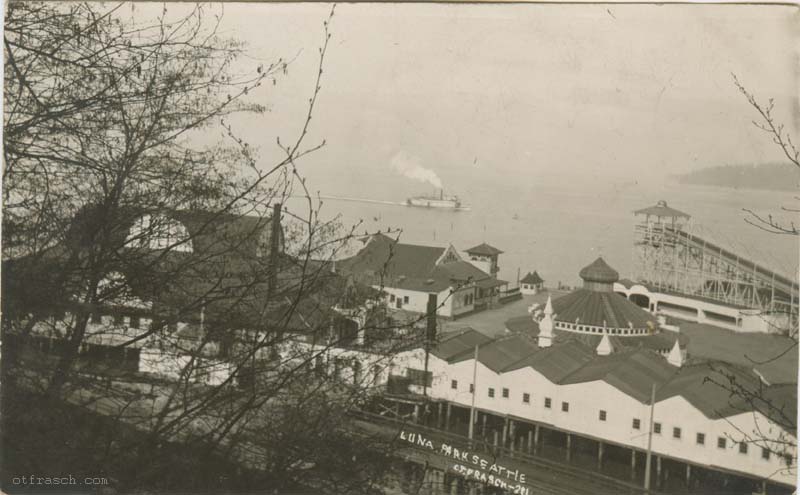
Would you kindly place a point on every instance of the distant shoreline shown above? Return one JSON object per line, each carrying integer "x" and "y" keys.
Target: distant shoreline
{"x": 765, "y": 177}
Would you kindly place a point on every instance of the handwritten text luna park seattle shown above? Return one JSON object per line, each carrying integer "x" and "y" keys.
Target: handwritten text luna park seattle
{"x": 473, "y": 466}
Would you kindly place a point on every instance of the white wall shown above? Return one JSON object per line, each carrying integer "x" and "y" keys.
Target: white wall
{"x": 588, "y": 398}
{"x": 449, "y": 304}
{"x": 748, "y": 321}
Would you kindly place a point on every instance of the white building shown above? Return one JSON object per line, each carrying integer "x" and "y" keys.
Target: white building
{"x": 410, "y": 274}
{"x": 587, "y": 369}
{"x": 531, "y": 283}
{"x": 569, "y": 388}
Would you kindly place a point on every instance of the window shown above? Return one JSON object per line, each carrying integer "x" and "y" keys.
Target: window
{"x": 472, "y": 388}
{"x": 721, "y": 442}
{"x": 391, "y": 297}
{"x": 565, "y": 406}
{"x": 135, "y": 322}
{"x": 454, "y": 384}
{"x": 764, "y": 454}
{"x": 701, "y": 439}
{"x": 505, "y": 393}
{"x": 547, "y": 402}
{"x": 491, "y": 392}
{"x": 657, "y": 428}
{"x": 526, "y": 398}
{"x": 676, "y": 432}
{"x": 637, "y": 424}
{"x": 602, "y": 415}
{"x": 405, "y": 299}
{"x": 96, "y": 318}
{"x": 159, "y": 232}
{"x": 788, "y": 460}
{"x": 119, "y": 319}
{"x": 742, "y": 448}
{"x": 419, "y": 377}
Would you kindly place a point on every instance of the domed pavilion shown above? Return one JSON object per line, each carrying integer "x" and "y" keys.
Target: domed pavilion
{"x": 597, "y": 316}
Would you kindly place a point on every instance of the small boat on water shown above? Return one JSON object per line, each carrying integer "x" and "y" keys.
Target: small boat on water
{"x": 436, "y": 201}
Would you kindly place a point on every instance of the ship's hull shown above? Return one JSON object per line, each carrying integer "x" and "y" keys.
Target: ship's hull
{"x": 433, "y": 203}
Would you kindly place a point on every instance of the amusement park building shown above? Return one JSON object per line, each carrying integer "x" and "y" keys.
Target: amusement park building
{"x": 569, "y": 387}
{"x": 590, "y": 366}
{"x": 409, "y": 274}
{"x": 683, "y": 275}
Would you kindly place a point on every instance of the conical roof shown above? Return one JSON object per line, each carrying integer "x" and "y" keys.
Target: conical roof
{"x": 661, "y": 210}
{"x": 599, "y": 271}
{"x": 601, "y": 309}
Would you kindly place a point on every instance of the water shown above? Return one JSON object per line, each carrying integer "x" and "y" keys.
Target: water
{"x": 558, "y": 228}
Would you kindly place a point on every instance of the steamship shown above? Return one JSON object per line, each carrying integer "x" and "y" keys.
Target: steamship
{"x": 436, "y": 201}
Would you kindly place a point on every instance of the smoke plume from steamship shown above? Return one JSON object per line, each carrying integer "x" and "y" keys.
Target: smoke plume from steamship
{"x": 408, "y": 166}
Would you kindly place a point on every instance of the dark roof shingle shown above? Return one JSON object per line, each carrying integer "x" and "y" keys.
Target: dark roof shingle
{"x": 484, "y": 249}
{"x": 532, "y": 278}
{"x": 609, "y": 309}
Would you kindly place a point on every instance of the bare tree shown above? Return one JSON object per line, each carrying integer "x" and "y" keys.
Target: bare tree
{"x": 115, "y": 215}
{"x": 782, "y": 138}
{"x": 773, "y": 407}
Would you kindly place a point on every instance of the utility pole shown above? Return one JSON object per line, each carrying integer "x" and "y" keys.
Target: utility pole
{"x": 650, "y": 439}
{"x": 474, "y": 393}
{"x": 430, "y": 336}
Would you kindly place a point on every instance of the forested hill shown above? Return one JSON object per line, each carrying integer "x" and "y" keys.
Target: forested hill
{"x": 772, "y": 176}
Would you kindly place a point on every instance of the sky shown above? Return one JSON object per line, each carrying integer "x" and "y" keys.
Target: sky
{"x": 552, "y": 91}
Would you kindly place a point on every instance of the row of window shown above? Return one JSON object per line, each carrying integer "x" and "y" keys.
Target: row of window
{"x": 526, "y": 397}
{"x": 392, "y": 298}
{"x": 677, "y": 433}
{"x": 398, "y": 301}
{"x": 593, "y": 329}
{"x": 700, "y": 438}
{"x": 134, "y": 321}
{"x": 119, "y": 319}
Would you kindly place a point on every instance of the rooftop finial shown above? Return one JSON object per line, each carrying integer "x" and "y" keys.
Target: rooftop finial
{"x": 604, "y": 348}
{"x": 675, "y": 357}
{"x": 546, "y": 326}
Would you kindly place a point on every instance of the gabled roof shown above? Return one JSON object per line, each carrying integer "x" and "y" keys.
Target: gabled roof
{"x": 633, "y": 372}
{"x": 461, "y": 342}
{"x": 212, "y": 233}
{"x": 484, "y": 249}
{"x": 461, "y": 271}
{"x": 382, "y": 254}
{"x": 497, "y": 354}
{"x": 532, "y": 278}
{"x": 384, "y": 261}
{"x": 557, "y": 361}
{"x": 702, "y": 384}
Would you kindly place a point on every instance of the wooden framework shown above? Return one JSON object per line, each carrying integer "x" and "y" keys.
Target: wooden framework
{"x": 669, "y": 258}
